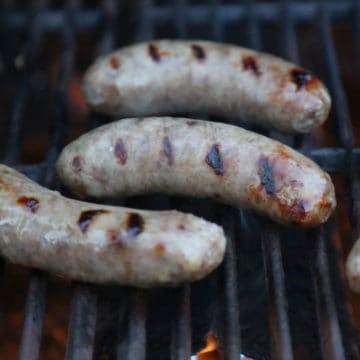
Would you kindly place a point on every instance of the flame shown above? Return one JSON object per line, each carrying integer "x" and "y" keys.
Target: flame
{"x": 77, "y": 102}
{"x": 211, "y": 350}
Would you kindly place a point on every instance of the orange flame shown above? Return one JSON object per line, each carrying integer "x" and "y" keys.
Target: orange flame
{"x": 211, "y": 350}
{"x": 77, "y": 102}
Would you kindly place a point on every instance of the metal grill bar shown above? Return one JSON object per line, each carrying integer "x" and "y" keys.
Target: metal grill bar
{"x": 81, "y": 332}
{"x": 276, "y": 288}
{"x": 34, "y": 317}
{"x": 21, "y": 101}
{"x": 181, "y": 330}
{"x": 137, "y": 329}
{"x": 253, "y": 28}
{"x": 356, "y": 19}
{"x": 145, "y": 28}
{"x": 180, "y": 17}
{"x": 36, "y": 296}
{"x": 216, "y": 21}
{"x": 60, "y": 97}
{"x": 15, "y": 133}
{"x": 2, "y": 265}
{"x": 110, "y": 9}
{"x": 290, "y": 49}
{"x": 300, "y": 11}
{"x": 290, "y": 40}
{"x": 53, "y": 20}
{"x": 339, "y": 99}
{"x": 232, "y": 347}
{"x": 336, "y": 346}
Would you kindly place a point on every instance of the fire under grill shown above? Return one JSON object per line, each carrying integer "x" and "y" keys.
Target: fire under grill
{"x": 280, "y": 293}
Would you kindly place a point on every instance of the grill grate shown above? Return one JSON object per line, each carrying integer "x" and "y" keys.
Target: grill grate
{"x": 295, "y": 319}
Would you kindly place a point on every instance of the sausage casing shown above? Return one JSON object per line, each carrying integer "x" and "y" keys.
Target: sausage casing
{"x": 201, "y": 159}
{"x": 353, "y": 267}
{"x": 167, "y": 77}
{"x": 103, "y": 244}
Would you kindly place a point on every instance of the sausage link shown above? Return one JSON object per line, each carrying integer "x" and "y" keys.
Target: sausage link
{"x": 103, "y": 244}
{"x": 167, "y": 77}
{"x": 353, "y": 267}
{"x": 202, "y": 159}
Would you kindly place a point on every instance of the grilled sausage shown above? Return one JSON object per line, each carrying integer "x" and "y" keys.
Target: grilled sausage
{"x": 202, "y": 159}
{"x": 166, "y": 77}
{"x": 353, "y": 267}
{"x": 103, "y": 244}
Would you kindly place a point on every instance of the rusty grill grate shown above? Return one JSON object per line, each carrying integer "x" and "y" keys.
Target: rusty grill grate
{"x": 280, "y": 293}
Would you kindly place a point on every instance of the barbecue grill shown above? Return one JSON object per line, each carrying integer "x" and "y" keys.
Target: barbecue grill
{"x": 280, "y": 293}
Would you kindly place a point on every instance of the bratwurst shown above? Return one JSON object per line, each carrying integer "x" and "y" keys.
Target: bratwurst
{"x": 201, "y": 159}
{"x": 167, "y": 77}
{"x": 103, "y": 244}
{"x": 353, "y": 267}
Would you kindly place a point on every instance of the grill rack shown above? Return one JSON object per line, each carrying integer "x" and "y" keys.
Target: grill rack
{"x": 333, "y": 316}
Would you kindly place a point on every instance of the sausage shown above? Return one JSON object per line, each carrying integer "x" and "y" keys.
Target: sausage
{"x": 352, "y": 267}
{"x": 201, "y": 159}
{"x": 103, "y": 244}
{"x": 169, "y": 77}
